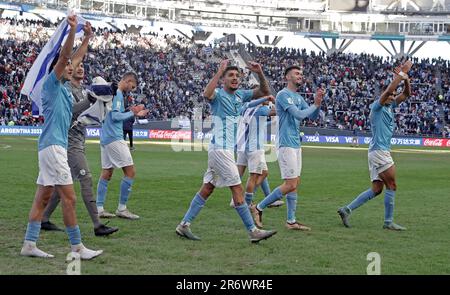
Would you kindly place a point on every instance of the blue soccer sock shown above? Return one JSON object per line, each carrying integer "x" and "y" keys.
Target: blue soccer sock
{"x": 361, "y": 199}
{"x": 74, "y": 234}
{"x": 125, "y": 190}
{"x": 248, "y": 198}
{"x": 265, "y": 187}
{"x": 255, "y": 189}
{"x": 33, "y": 230}
{"x": 389, "y": 196}
{"x": 274, "y": 196}
{"x": 196, "y": 205}
{"x": 102, "y": 189}
{"x": 246, "y": 217}
{"x": 291, "y": 202}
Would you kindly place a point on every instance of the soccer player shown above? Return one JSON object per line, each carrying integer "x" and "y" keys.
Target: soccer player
{"x": 226, "y": 104}
{"x": 250, "y": 147}
{"x": 114, "y": 150}
{"x": 54, "y": 171}
{"x": 128, "y": 127}
{"x": 355, "y": 137}
{"x": 381, "y": 165}
{"x": 76, "y": 150}
{"x": 291, "y": 108}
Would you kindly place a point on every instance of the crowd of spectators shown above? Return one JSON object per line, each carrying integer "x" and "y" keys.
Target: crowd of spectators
{"x": 352, "y": 81}
{"x": 173, "y": 72}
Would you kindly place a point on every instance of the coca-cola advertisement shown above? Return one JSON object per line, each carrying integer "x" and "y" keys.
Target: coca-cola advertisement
{"x": 169, "y": 134}
{"x": 440, "y": 142}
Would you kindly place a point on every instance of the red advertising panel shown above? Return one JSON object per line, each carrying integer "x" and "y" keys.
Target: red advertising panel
{"x": 169, "y": 134}
{"x": 441, "y": 142}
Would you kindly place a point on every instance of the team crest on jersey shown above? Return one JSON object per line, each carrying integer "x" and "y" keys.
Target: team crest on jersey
{"x": 290, "y": 100}
{"x": 84, "y": 92}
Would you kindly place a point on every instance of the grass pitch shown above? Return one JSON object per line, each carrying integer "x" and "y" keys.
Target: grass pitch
{"x": 166, "y": 182}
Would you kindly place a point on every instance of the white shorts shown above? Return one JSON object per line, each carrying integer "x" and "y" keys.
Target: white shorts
{"x": 379, "y": 161}
{"x": 222, "y": 170}
{"x": 53, "y": 167}
{"x": 255, "y": 161}
{"x": 290, "y": 162}
{"x": 116, "y": 155}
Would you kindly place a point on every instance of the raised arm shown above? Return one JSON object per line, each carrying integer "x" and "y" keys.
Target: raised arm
{"x": 301, "y": 114}
{"x": 137, "y": 111}
{"x": 66, "y": 51}
{"x": 212, "y": 85}
{"x": 261, "y": 100}
{"x": 78, "y": 56}
{"x": 406, "y": 89}
{"x": 308, "y": 112}
{"x": 405, "y": 67}
{"x": 263, "y": 89}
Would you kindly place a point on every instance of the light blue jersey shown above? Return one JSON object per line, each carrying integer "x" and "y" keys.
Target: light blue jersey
{"x": 382, "y": 125}
{"x": 225, "y": 111}
{"x": 291, "y": 109}
{"x": 252, "y": 128}
{"x": 112, "y": 128}
{"x": 57, "y": 110}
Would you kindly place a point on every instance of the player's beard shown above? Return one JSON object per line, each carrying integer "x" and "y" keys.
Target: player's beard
{"x": 233, "y": 88}
{"x": 77, "y": 76}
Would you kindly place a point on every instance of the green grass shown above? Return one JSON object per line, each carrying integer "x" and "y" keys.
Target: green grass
{"x": 166, "y": 182}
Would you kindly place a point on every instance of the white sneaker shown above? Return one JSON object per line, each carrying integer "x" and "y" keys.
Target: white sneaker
{"x": 85, "y": 253}
{"x": 126, "y": 214}
{"x": 105, "y": 214}
{"x": 277, "y": 203}
{"x": 260, "y": 234}
{"x": 29, "y": 249}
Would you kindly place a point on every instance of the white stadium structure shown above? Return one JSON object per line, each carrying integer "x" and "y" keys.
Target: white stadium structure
{"x": 418, "y": 28}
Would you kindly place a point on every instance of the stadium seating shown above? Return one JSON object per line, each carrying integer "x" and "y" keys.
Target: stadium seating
{"x": 173, "y": 72}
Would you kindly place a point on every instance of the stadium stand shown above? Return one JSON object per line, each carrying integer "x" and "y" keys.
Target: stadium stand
{"x": 173, "y": 72}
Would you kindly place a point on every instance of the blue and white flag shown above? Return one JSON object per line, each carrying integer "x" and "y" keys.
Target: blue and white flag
{"x": 96, "y": 114}
{"x": 207, "y": 50}
{"x": 246, "y": 123}
{"x": 40, "y": 69}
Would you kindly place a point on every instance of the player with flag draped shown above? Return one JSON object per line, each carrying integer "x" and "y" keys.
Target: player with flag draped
{"x": 54, "y": 171}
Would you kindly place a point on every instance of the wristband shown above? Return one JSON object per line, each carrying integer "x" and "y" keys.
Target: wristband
{"x": 403, "y": 75}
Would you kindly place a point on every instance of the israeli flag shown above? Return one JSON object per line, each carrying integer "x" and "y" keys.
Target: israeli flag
{"x": 40, "y": 68}
{"x": 96, "y": 114}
